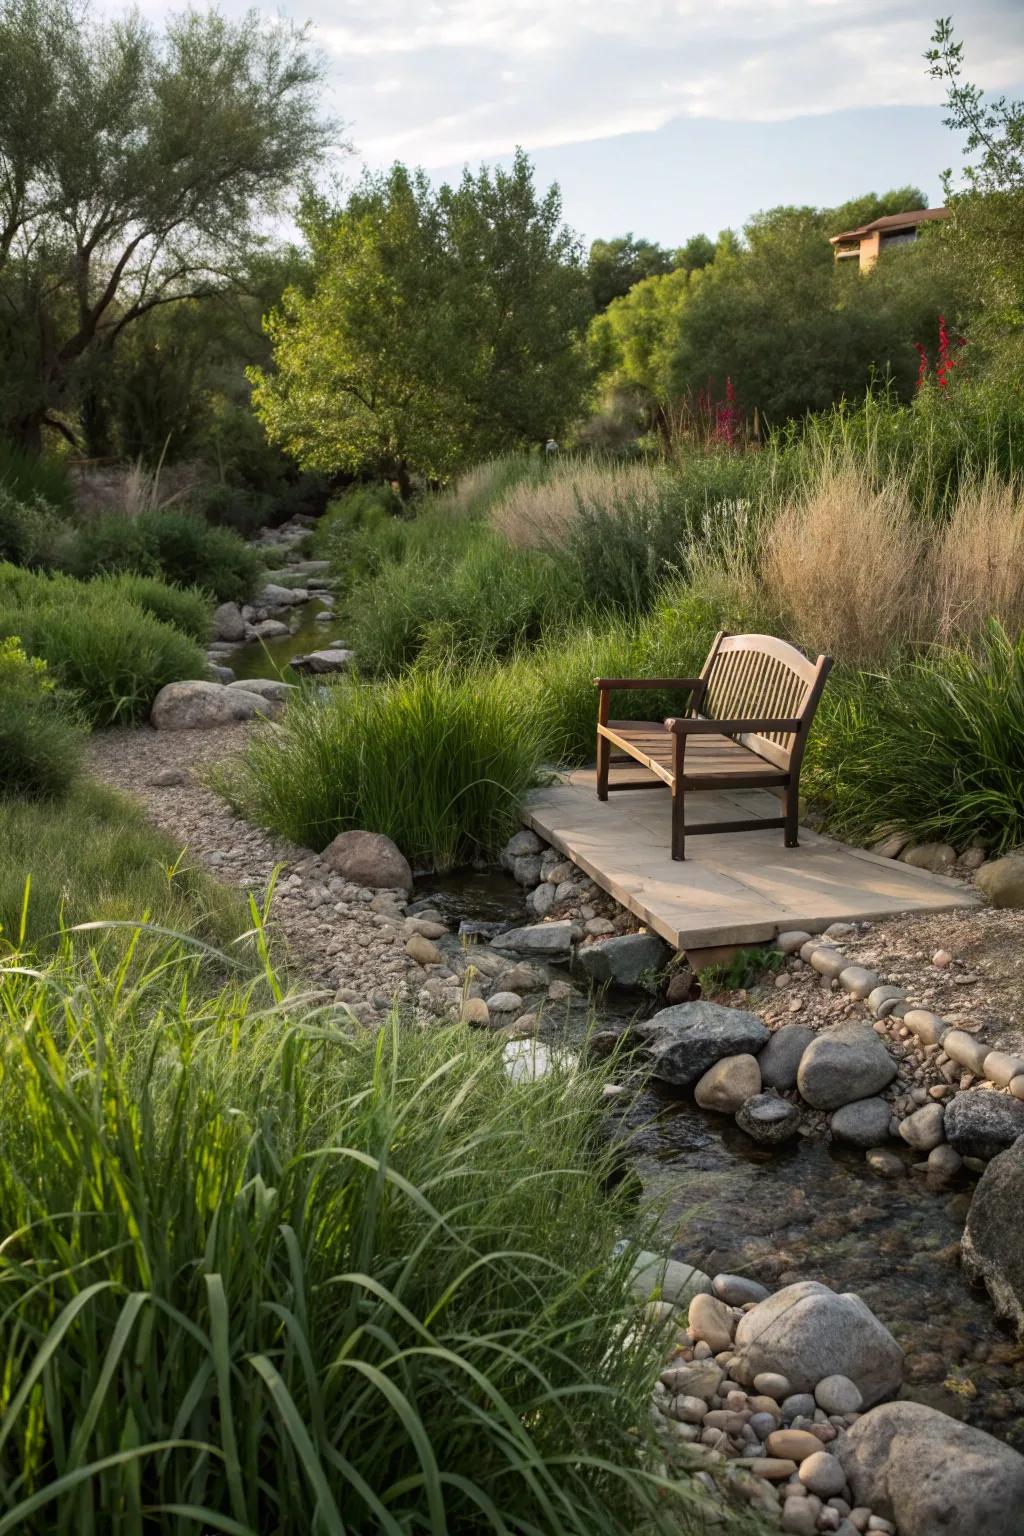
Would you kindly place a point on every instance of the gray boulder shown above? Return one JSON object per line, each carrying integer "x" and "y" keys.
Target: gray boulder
{"x": 982, "y": 1123}
{"x": 769, "y": 1119}
{"x": 554, "y": 939}
{"x": 935, "y": 857}
{"x": 369, "y": 859}
{"x": 931, "y": 1475}
{"x": 274, "y": 596}
{"x": 806, "y": 1332}
{"x": 624, "y": 961}
{"x": 269, "y": 629}
{"x": 266, "y": 687}
{"x": 227, "y": 623}
{"x": 686, "y": 1040}
{"x": 864, "y": 1123}
{"x": 317, "y": 662}
{"x": 781, "y": 1056}
{"x": 991, "y": 1248}
{"x": 924, "y": 1130}
{"x": 1002, "y": 880}
{"x": 526, "y": 869}
{"x": 519, "y": 846}
{"x": 728, "y": 1085}
{"x": 199, "y": 706}
{"x": 843, "y": 1063}
{"x": 652, "y": 1276}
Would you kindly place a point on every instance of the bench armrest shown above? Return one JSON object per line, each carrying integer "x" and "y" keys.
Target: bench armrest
{"x": 730, "y": 727}
{"x": 681, "y": 683}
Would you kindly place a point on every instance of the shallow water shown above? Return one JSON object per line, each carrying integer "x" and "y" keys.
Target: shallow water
{"x": 817, "y": 1212}
{"x": 486, "y": 895}
{"x": 270, "y": 658}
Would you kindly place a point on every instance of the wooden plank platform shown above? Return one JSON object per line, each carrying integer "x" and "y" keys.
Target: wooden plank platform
{"x": 736, "y": 888}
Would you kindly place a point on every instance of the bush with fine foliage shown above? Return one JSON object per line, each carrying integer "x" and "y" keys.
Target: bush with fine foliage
{"x": 111, "y": 655}
{"x": 188, "y": 609}
{"x": 178, "y": 546}
{"x": 32, "y": 533}
{"x": 40, "y": 737}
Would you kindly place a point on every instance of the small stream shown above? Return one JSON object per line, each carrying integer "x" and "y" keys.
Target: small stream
{"x": 271, "y": 658}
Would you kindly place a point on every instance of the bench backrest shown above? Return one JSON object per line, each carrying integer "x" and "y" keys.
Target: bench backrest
{"x": 759, "y": 675}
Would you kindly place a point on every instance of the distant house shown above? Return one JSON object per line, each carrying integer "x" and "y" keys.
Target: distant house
{"x": 865, "y": 245}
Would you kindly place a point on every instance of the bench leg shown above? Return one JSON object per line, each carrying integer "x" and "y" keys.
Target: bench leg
{"x": 678, "y": 824}
{"x": 792, "y": 830}
{"x": 604, "y": 753}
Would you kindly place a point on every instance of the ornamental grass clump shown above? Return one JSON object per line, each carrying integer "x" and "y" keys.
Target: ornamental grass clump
{"x": 438, "y": 759}
{"x": 264, "y": 1271}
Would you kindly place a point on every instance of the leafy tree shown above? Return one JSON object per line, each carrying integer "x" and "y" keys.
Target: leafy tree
{"x": 632, "y": 344}
{"x": 986, "y": 231}
{"x": 698, "y": 252}
{"x": 614, "y": 266}
{"x": 441, "y": 326}
{"x": 135, "y": 171}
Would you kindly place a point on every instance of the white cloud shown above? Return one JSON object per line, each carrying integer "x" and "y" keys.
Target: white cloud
{"x": 460, "y": 79}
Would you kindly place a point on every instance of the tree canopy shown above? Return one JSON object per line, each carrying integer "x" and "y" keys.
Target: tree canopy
{"x": 442, "y": 326}
{"x": 137, "y": 168}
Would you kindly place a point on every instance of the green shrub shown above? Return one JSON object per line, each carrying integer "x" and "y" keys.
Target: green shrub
{"x": 438, "y": 759}
{"x": 934, "y": 749}
{"x": 29, "y": 477}
{"x": 31, "y": 532}
{"x": 110, "y": 654}
{"x": 179, "y": 547}
{"x": 300, "y": 1279}
{"x": 40, "y": 738}
{"x": 361, "y": 530}
{"x": 96, "y": 858}
{"x": 188, "y": 609}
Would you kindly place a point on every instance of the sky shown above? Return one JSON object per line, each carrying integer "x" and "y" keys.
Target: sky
{"x": 666, "y": 117}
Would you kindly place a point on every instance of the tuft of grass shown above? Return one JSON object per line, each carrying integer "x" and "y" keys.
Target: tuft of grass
{"x": 95, "y": 857}
{"x": 188, "y": 609}
{"x": 934, "y": 748}
{"x": 438, "y": 759}
{"x": 263, "y": 1272}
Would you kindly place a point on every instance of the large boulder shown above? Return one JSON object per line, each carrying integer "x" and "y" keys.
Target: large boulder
{"x": 991, "y": 1246}
{"x": 864, "y": 1123}
{"x": 227, "y": 623}
{"x": 806, "y": 1332}
{"x": 333, "y": 659}
{"x": 275, "y": 596}
{"x": 686, "y": 1040}
{"x": 266, "y": 687}
{"x": 843, "y": 1063}
{"x": 931, "y": 1475}
{"x": 1002, "y": 880}
{"x": 626, "y": 961}
{"x": 728, "y": 1085}
{"x": 369, "y": 859}
{"x": 200, "y": 706}
{"x": 551, "y": 939}
{"x": 781, "y": 1056}
{"x": 983, "y": 1123}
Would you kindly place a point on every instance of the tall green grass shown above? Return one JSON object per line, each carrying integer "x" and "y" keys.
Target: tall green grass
{"x": 28, "y": 476}
{"x": 934, "y": 748}
{"x": 265, "y": 1273}
{"x": 176, "y": 546}
{"x": 439, "y": 760}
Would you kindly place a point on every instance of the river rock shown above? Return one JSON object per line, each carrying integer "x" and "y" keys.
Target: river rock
{"x": 268, "y": 629}
{"x": 274, "y": 596}
{"x": 935, "y": 857}
{"x": 266, "y": 687}
{"x": 369, "y": 859}
{"x": 769, "y": 1119}
{"x": 838, "y": 1394}
{"x": 728, "y": 1085}
{"x": 781, "y": 1056}
{"x": 885, "y": 1162}
{"x": 738, "y": 1290}
{"x": 991, "y": 1246}
{"x": 844, "y": 1063}
{"x": 711, "y": 1320}
{"x": 554, "y": 939}
{"x": 332, "y": 659}
{"x": 864, "y": 1123}
{"x": 932, "y": 1475}
{"x": 982, "y": 1123}
{"x": 924, "y": 1129}
{"x": 200, "y": 706}
{"x": 1002, "y": 880}
{"x": 227, "y": 623}
{"x": 807, "y": 1332}
{"x": 701, "y": 1379}
{"x": 967, "y": 1052}
{"x": 626, "y": 961}
{"x": 822, "y": 1473}
{"x": 671, "y": 1280}
{"x": 795, "y": 1444}
{"x": 686, "y": 1040}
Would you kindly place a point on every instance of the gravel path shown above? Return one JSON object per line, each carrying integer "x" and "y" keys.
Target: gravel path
{"x": 348, "y": 940}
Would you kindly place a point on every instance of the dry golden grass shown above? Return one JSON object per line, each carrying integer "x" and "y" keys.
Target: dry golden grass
{"x": 844, "y": 566}
{"x": 978, "y": 563}
{"x": 536, "y": 512}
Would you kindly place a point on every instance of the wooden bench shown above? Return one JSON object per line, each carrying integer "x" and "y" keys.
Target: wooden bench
{"x": 749, "y": 714}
